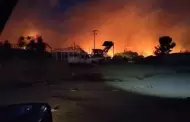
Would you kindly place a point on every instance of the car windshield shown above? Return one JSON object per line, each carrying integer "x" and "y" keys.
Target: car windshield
{"x": 136, "y": 67}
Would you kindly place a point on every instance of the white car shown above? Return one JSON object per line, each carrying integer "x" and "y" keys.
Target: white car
{"x": 79, "y": 59}
{"x": 96, "y": 59}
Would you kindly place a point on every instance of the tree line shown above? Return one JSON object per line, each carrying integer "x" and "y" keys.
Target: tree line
{"x": 29, "y": 46}
{"x": 37, "y": 46}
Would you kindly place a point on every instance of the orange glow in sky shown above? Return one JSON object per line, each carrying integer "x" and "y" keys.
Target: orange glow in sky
{"x": 32, "y": 33}
{"x": 135, "y": 24}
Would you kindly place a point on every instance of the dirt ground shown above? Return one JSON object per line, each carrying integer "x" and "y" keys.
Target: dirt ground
{"x": 85, "y": 95}
{"x": 98, "y": 102}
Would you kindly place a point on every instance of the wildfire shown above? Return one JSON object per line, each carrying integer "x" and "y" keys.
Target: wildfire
{"x": 135, "y": 24}
{"x": 33, "y": 34}
{"x": 110, "y": 53}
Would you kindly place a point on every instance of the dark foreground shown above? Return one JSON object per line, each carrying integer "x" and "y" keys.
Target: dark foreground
{"x": 98, "y": 102}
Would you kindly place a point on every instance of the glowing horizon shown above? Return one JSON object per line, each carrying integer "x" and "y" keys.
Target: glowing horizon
{"x": 135, "y": 24}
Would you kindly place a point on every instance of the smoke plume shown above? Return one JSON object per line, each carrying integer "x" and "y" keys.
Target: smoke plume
{"x": 132, "y": 24}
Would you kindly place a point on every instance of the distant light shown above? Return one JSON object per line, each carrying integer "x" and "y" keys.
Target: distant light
{"x": 32, "y": 33}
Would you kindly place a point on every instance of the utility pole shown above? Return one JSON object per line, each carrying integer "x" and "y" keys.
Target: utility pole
{"x": 113, "y": 49}
{"x": 95, "y": 33}
{"x": 74, "y": 46}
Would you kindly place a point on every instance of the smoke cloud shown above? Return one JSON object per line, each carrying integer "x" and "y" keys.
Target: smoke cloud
{"x": 132, "y": 24}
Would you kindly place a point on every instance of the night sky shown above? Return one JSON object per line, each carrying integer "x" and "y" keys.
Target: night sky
{"x": 130, "y": 23}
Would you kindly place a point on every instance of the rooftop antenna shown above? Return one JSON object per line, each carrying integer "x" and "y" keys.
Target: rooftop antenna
{"x": 95, "y": 33}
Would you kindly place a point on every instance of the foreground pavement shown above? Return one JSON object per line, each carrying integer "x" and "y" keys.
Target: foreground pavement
{"x": 99, "y": 102}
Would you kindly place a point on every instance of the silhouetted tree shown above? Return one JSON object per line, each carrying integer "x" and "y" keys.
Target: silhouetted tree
{"x": 1, "y": 45}
{"x": 29, "y": 38}
{"x": 165, "y": 46}
{"x": 40, "y": 45}
{"x": 7, "y": 45}
{"x": 1, "y": 49}
{"x": 21, "y": 42}
{"x": 31, "y": 45}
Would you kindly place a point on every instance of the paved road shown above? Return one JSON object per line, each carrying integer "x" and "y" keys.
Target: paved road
{"x": 98, "y": 102}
